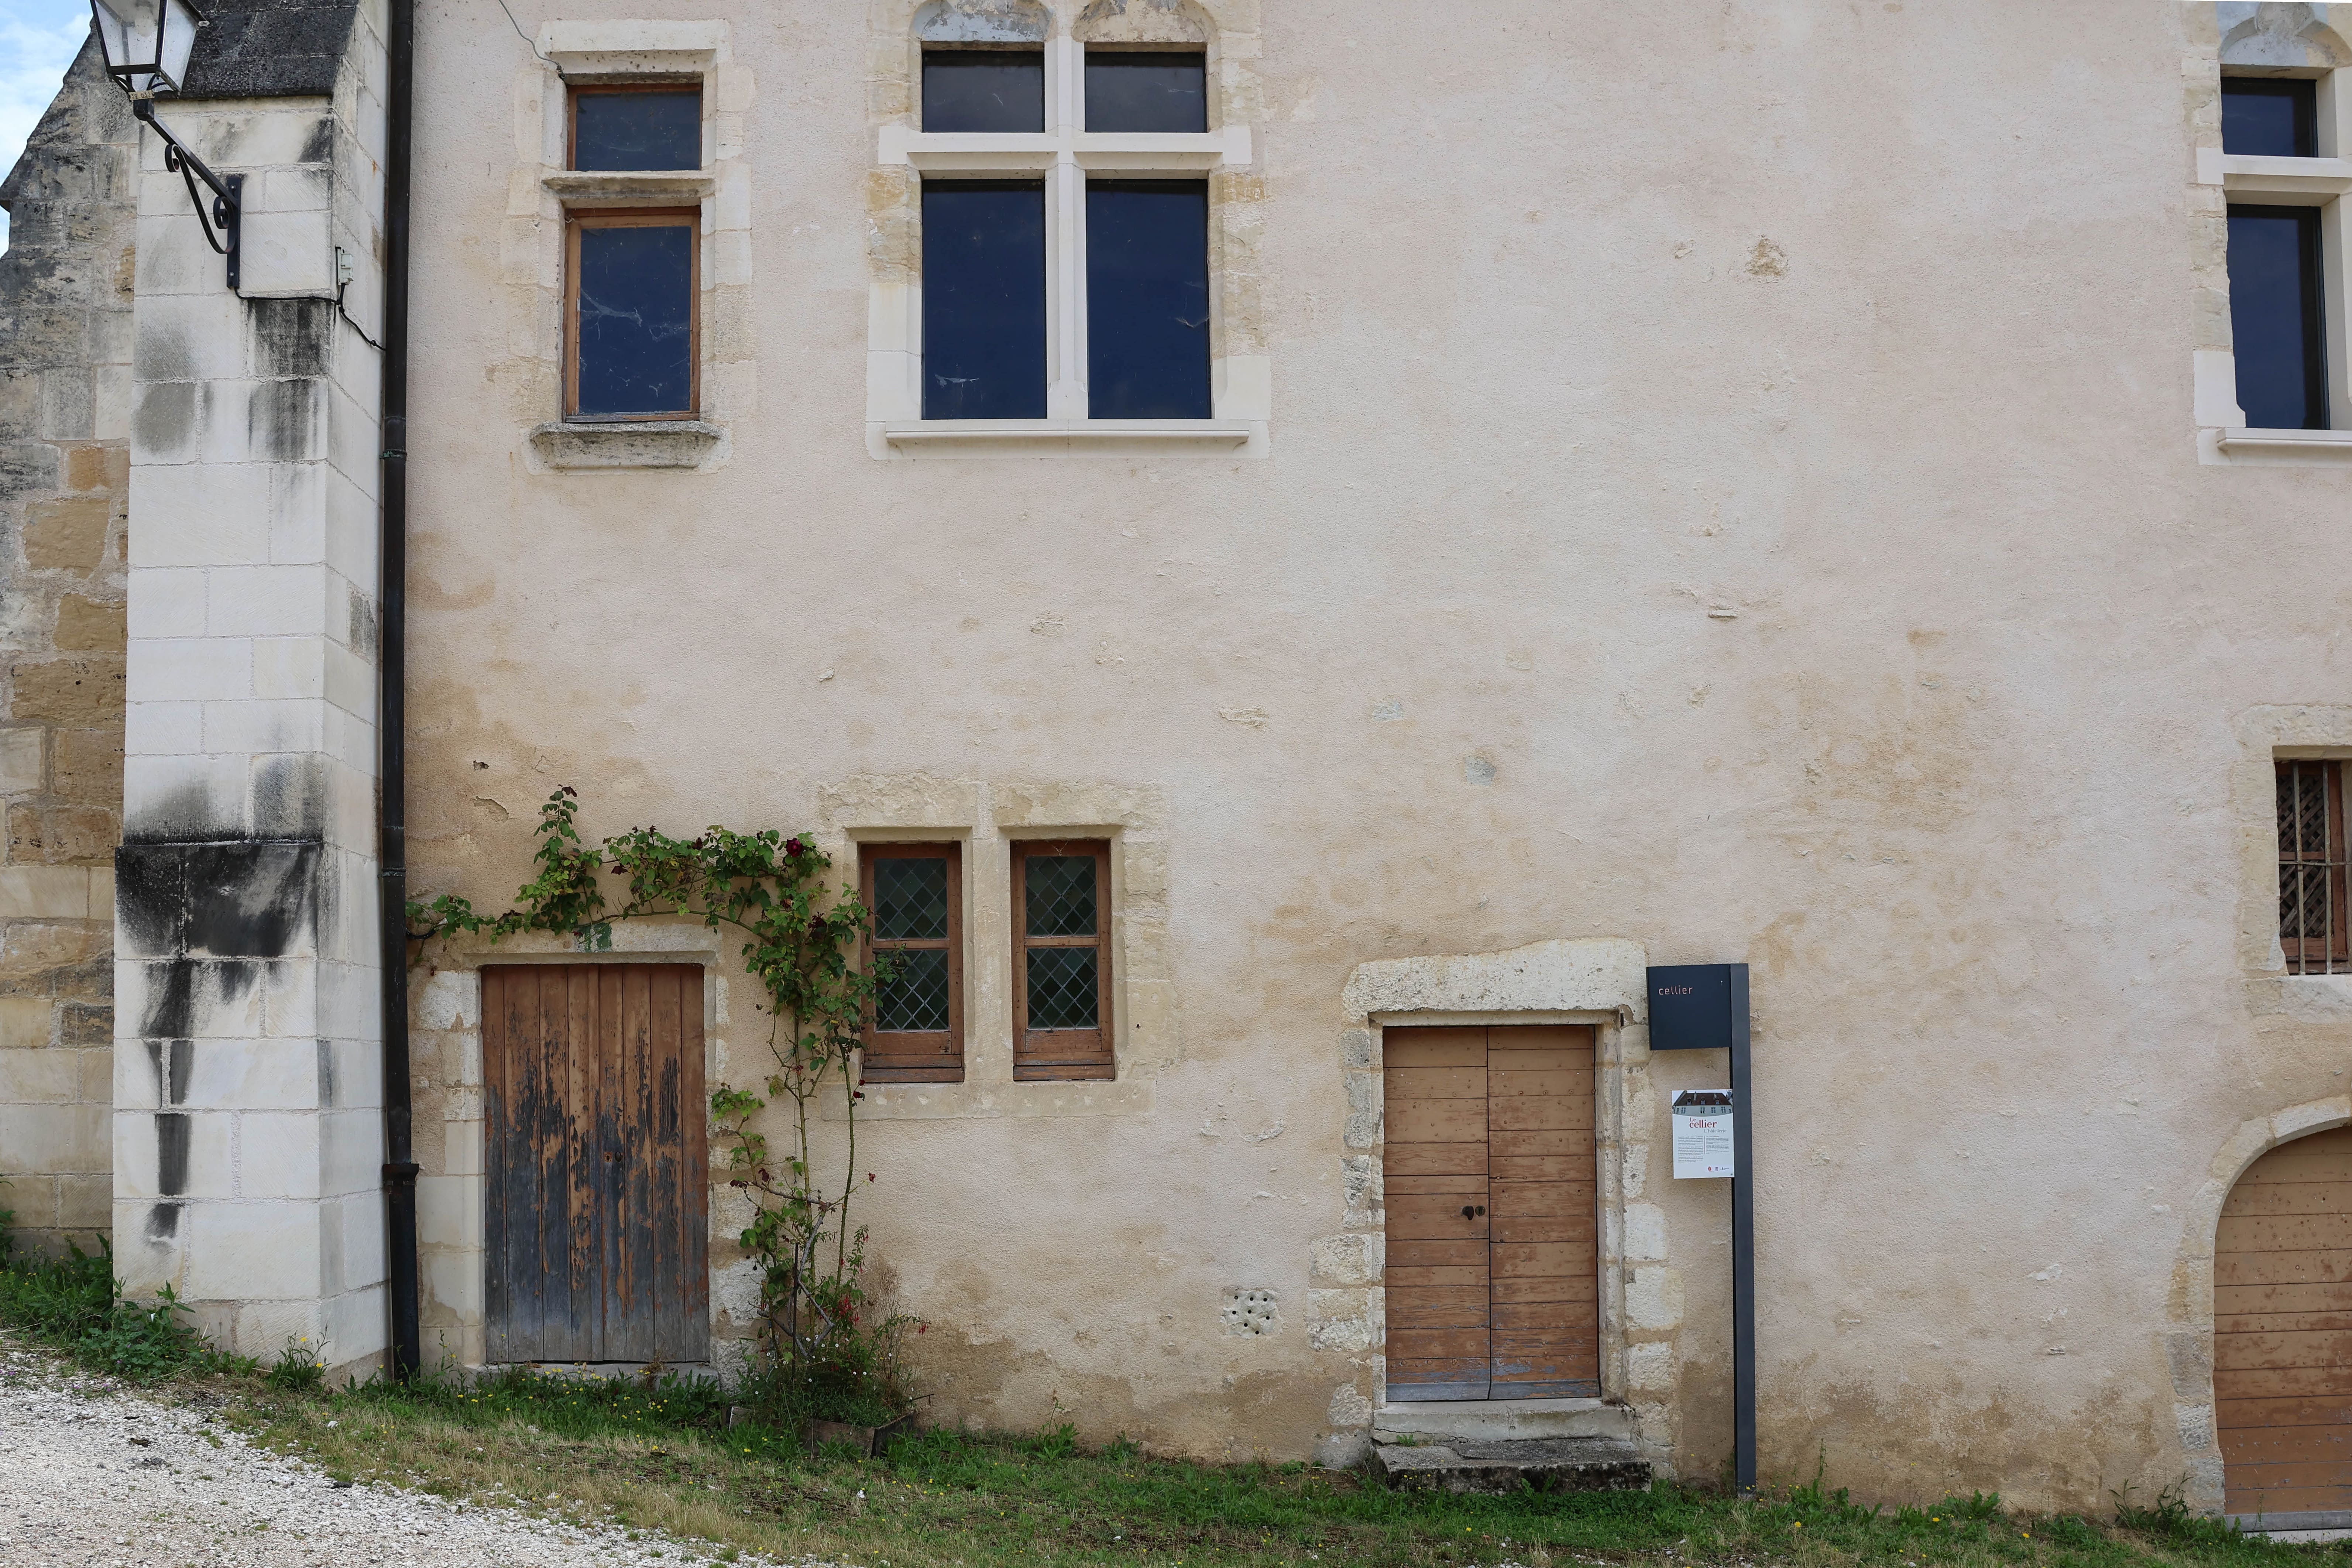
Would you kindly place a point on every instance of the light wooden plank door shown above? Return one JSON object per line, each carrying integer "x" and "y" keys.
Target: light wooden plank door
{"x": 2282, "y": 1330}
{"x": 597, "y": 1178}
{"x": 1493, "y": 1274}
{"x": 1545, "y": 1321}
{"x": 1435, "y": 1172}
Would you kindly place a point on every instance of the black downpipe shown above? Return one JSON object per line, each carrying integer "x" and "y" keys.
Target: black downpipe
{"x": 400, "y": 1164}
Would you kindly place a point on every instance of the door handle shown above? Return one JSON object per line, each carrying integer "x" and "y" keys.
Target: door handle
{"x": 1472, "y": 1211}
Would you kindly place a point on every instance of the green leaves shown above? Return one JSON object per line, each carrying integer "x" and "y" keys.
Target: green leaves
{"x": 800, "y": 940}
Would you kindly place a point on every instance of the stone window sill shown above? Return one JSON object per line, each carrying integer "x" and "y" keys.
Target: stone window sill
{"x": 1034, "y": 437}
{"x": 651, "y": 444}
{"x": 995, "y": 1101}
{"x": 2289, "y": 182}
{"x": 616, "y": 188}
{"x": 2328, "y": 449}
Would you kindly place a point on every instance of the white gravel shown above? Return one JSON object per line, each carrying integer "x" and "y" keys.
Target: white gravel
{"x": 94, "y": 1476}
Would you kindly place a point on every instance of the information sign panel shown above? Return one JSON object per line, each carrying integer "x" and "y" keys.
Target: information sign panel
{"x": 1705, "y": 1131}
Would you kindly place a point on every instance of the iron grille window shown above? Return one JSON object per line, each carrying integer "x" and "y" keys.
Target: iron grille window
{"x": 2312, "y": 924}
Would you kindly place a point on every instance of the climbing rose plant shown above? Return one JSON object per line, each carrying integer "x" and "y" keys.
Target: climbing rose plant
{"x": 799, "y": 942}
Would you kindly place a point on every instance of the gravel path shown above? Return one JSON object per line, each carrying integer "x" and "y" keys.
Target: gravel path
{"x": 92, "y": 1476}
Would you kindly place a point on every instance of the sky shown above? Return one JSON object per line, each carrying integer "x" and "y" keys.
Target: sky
{"x": 37, "y": 41}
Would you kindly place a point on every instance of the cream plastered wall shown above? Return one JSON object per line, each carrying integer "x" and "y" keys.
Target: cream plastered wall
{"x": 1727, "y": 489}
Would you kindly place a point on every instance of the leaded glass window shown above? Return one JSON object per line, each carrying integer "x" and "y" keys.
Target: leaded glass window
{"x": 1060, "y": 897}
{"x": 915, "y": 894}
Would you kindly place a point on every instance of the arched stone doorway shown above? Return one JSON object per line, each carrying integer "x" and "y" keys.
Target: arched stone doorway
{"x": 2283, "y": 1336}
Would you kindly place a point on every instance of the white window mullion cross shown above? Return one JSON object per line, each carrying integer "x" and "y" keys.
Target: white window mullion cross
{"x": 1063, "y": 156}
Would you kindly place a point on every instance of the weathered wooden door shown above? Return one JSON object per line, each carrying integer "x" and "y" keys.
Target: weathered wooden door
{"x": 2283, "y": 1332}
{"x": 1493, "y": 1232}
{"x": 598, "y": 1174}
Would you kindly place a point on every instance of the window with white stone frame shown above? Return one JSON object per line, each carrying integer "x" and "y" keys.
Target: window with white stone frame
{"x": 1062, "y": 288}
{"x": 2283, "y": 166}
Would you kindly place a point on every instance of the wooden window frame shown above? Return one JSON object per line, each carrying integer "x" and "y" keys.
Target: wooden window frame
{"x": 1063, "y": 1053}
{"x": 2330, "y": 954}
{"x": 571, "y": 111}
{"x": 579, "y": 219}
{"x": 931, "y": 1055}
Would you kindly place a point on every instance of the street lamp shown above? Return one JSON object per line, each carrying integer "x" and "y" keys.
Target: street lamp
{"x": 148, "y": 53}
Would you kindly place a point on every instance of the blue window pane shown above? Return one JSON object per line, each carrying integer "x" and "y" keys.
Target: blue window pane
{"x": 637, "y": 129}
{"x": 637, "y": 320}
{"x": 1141, "y": 91}
{"x": 1147, "y": 299}
{"x": 983, "y": 299}
{"x": 983, "y": 90}
{"x": 2266, "y": 117}
{"x": 2274, "y": 317}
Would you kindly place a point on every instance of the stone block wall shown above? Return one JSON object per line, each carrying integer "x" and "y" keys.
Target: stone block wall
{"x": 247, "y": 1124}
{"x": 65, "y": 370}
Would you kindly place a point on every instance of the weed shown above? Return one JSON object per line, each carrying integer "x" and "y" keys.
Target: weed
{"x": 76, "y": 1304}
{"x": 298, "y": 1369}
{"x": 2169, "y": 1518}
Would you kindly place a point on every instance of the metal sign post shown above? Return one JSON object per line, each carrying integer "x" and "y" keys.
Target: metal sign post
{"x": 1703, "y": 1008}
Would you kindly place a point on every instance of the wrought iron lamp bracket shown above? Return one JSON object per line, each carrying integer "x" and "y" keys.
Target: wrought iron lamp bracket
{"x": 223, "y": 225}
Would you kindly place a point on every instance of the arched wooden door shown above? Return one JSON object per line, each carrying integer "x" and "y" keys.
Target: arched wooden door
{"x": 2283, "y": 1336}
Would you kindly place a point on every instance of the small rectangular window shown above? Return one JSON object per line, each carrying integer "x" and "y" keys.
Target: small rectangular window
{"x": 1061, "y": 960}
{"x": 636, "y": 128}
{"x": 983, "y": 90}
{"x": 1146, "y": 90}
{"x": 983, "y": 299}
{"x": 2275, "y": 317}
{"x": 1147, "y": 299}
{"x": 915, "y": 1033}
{"x": 2269, "y": 116}
{"x": 629, "y": 310}
{"x": 2312, "y": 925}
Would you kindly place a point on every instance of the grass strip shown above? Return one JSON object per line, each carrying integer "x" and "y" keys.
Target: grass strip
{"x": 658, "y": 1455}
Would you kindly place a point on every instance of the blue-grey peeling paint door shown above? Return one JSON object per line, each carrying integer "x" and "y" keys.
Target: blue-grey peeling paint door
{"x": 597, "y": 1184}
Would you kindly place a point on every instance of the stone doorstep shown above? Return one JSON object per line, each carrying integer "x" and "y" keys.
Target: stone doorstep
{"x": 2299, "y": 1527}
{"x": 1544, "y": 1464}
{"x": 1502, "y": 1420}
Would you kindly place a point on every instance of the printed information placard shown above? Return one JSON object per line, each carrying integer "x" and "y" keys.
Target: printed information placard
{"x": 1704, "y": 1130}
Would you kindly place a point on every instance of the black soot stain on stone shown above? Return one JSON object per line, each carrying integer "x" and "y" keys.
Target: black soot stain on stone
{"x": 320, "y": 146}
{"x": 280, "y": 418}
{"x": 172, "y": 1152}
{"x": 204, "y": 919}
{"x": 290, "y": 336}
{"x": 165, "y": 420}
{"x": 173, "y": 1061}
{"x": 171, "y": 1007}
{"x": 162, "y": 1222}
{"x": 290, "y": 798}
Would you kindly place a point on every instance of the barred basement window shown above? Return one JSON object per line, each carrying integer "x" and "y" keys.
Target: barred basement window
{"x": 2313, "y": 929}
{"x": 915, "y": 1033}
{"x": 1061, "y": 960}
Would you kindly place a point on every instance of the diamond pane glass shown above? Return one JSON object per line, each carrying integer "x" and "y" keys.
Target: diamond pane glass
{"x": 1061, "y": 987}
{"x": 910, "y": 899}
{"x": 1062, "y": 896}
{"x": 915, "y": 999}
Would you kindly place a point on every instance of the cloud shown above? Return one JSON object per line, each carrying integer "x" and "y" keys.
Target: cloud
{"x": 39, "y": 39}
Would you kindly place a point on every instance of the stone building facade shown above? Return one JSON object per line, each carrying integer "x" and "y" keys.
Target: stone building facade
{"x": 65, "y": 355}
{"x": 1763, "y": 483}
